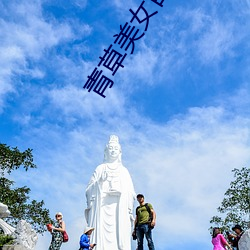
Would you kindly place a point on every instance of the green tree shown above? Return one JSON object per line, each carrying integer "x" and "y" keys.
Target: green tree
{"x": 17, "y": 199}
{"x": 235, "y": 207}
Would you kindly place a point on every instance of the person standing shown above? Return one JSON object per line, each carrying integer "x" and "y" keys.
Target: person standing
{"x": 56, "y": 231}
{"x": 85, "y": 239}
{"x": 143, "y": 225}
{"x": 218, "y": 240}
{"x": 239, "y": 231}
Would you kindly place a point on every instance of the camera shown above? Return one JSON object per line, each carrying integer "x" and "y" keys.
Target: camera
{"x": 134, "y": 235}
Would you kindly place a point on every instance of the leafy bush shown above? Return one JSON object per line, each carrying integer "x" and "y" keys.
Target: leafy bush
{"x": 6, "y": 240}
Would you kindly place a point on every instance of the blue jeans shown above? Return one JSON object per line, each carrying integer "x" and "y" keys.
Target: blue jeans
{"x": 142, "y": 230}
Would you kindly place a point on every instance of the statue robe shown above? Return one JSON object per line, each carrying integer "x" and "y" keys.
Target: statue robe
{"x": 244, "y": 242}
{"x": 110, "y": 197}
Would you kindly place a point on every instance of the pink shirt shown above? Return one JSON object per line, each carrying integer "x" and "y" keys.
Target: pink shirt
{"x": 219, "y": 242}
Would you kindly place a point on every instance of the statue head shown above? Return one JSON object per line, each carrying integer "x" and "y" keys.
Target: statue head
{"x": 4, "y": 212}
{"x": 113, "y": 150}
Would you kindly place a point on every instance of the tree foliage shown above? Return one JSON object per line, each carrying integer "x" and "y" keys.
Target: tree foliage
{"x": 235, "y": 207}
{"x": 12, "y": 159}
{"x": 17, "y": 199}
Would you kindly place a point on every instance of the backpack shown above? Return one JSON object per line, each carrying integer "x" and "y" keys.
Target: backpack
{"x": 150, "y": 218}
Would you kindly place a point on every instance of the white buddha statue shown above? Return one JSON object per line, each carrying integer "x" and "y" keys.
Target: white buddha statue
{"x": 244, "y": 242}
{"x": 4, "y": 212}
{"x": 110, "y": 197}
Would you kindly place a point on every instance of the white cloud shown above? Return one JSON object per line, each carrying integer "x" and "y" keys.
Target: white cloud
{"x": 81, "y": 3}
{"x": 183, "y": 167}
{"x": 169, "y": 47}
{"x": 124, "y": 6}
{"x": 141, "y": 67}
{"x": 217, "y": 42}
{"x": 196, "y": 33}
{"x": 32, "y": 33}
{"x": 26, "y": 35}
{"x": 198, "y": 19}
{"x": 74, "y": 100}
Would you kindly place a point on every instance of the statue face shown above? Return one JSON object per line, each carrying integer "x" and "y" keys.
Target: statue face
{"x": 113, "y": 150}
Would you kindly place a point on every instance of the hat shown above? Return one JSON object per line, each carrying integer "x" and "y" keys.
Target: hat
{"x": 59, "y": 213}
{"x": 237, "y": 227}
{"x": 87, "y": 229}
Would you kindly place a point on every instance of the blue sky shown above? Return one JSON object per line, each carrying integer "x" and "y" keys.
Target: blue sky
{"x": 180, "y": 105}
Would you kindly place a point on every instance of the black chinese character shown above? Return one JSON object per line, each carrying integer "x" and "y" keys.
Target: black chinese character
{"x": 113, "y": 55}
{"x": 124, "y": 36}
{"x": 92, "y": 79}
{"x": 103, "y": 80}
{"x": 160, "y": 4}
{"x": 146, "y": 18}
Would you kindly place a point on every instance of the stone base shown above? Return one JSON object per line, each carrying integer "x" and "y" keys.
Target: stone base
{"x": 13, "y": 247}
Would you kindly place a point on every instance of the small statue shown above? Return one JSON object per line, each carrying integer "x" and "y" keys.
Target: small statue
{"x": 23, "y": 234}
